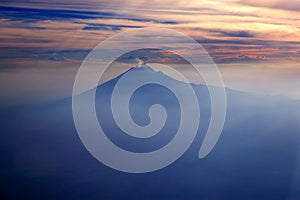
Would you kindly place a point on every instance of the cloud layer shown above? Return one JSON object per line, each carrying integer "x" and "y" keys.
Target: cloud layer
{"x": 230, "y": 30}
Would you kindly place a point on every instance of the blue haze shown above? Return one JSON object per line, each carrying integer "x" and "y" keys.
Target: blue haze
{"x": 42, "y": 156}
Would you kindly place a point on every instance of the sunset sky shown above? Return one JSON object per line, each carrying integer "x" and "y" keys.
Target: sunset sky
{"x": 256, "y": 44}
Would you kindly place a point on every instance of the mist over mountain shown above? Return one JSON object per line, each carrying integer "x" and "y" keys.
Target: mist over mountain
{"x": 256, "y": 156}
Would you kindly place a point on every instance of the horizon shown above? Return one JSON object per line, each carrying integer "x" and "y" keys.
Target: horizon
{"x": 254, "y": 44}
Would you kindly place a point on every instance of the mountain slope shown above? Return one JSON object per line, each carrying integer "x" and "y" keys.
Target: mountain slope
{"x": 255, "y": 158}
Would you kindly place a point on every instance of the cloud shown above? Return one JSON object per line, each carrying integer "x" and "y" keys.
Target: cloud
{"x": 37, "y": 14}
{"x": 237, "y": 34}
{"x": 293, "y": 5}
{"x": 108, "y": 27}
{"x": 228, "y": 33}
{"x": 226, "y": 28}
{"x": 30, "y": 15}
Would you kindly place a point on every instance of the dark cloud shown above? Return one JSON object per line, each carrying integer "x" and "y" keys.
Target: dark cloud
{"x": 168, "y": 22}
{"x": 228, "y": 33}
{"x": 29, "y": 27}
{"x": 262, "y": 43}
{"x": 38, "y": 14}
{"x": 151, "y": 56}
{"x": 24, "y": 40}
{"x": 101, "y": 28}
{"x": 237, "y": 34}
{"x": 35, "y": 14}
{"x": 108, "y": 27}
{"x": 40, "y": 53}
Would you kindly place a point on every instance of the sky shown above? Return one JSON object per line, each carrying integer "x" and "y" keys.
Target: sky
{"x": 256, "y": 44}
